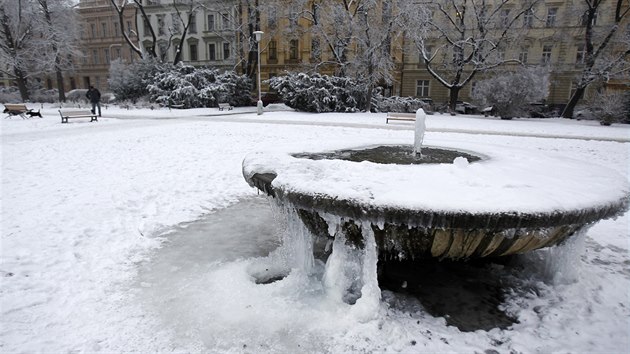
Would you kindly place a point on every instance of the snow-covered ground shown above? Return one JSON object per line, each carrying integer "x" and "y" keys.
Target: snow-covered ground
{"x": 87, "y": 206}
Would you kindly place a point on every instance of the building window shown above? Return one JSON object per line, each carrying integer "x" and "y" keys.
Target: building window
{"x": 546, "y": 54}
{"x": 192, "y": 26}
{"x": 176, "y": 23}
{"x": 428, "y": 51}
{"x": 104, "y": 28}
{"x": 552, "y": 13}
{"x": 584, "y": 20}
{"x": 94, "y": 56}
{"x": 106, "y": 50}
{"x": 116, "y": 29}
{"x": 522, "y": 56}
{"x": 580, "y": 54}
{"x": 93, "y": 28}
{"x": 422, "y": 88}
{"x": 161, "y": 25}
{"x": 193, "y": 52}
{"x": 226, "y": 51}
{"x": 293, "y": 49}
{"x": 210, "y": 22}
{"x": 129, "y": 29}
{"x": 272, "y": 51}
{"x": 146, "y": 24}
{"x": 163, "y": 50}
{"x": 212, "y": 52}
{"x": 528, "y": 18}
{"x": 118, "y": 53}
{"x": 272, "y": 17}
{"x": 315, "y": 49}
{"x": 226, "y": 21}
{"x": 504, "y": 18}
{"x": 85, "y": 57}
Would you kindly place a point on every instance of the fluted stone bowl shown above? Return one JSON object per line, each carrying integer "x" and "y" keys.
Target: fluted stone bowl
{"x": 454, "y": 202}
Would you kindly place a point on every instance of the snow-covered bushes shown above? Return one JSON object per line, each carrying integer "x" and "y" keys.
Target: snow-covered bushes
{"x": 190, "y": 87}
{"x": 319, "y": 93}
{"x": 10, "y": 95}
{"x": 129, "y": 82}
{"x": 510, "y": 94}
{"x": 609, "y": 107}
{"x": 399, "y": 104}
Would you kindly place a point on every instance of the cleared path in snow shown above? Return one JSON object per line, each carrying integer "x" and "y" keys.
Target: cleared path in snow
{"x": 404, "y": 126}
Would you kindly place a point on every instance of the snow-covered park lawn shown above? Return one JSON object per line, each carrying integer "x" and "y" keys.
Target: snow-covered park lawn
{"x": 87, "y": 207}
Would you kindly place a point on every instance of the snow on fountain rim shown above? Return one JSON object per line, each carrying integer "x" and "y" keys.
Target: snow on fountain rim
{"x": 506, "y": 180}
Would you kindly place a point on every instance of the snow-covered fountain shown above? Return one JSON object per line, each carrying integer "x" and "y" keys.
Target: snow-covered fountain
{"x": 455, "y": 201}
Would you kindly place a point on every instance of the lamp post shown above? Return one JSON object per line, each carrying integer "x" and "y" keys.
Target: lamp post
{"x": 258, "y": 37}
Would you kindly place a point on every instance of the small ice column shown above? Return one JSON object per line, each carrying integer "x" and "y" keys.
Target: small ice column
{"x": 419, "y": 131}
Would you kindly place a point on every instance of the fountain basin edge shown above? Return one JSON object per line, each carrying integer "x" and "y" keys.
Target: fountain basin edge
{"x": 425, "y": 232}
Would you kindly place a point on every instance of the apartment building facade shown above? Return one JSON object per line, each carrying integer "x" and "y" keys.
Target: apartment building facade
{"x": 209, "y": 40}
{"x": 219, "y": 35}
{"x": 551, "y": 35}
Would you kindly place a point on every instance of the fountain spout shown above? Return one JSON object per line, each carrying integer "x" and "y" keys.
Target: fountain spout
{"x": 419, "y": 131}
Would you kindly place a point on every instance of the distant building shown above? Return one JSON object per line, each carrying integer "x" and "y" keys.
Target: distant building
{"x": 552, "y": 36}
{"x": 210, "y": 40}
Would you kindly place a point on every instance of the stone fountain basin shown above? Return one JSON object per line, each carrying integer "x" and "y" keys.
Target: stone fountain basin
{"x": 511, "y": 201}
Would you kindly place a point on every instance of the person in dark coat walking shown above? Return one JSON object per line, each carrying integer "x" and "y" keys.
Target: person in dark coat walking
{"x": 94, "y": 95}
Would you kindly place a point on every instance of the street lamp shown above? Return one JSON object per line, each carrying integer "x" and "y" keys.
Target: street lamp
{"x": 258, "y": 37}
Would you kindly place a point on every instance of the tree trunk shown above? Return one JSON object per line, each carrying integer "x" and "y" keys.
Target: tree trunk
{"x": 570, "y": 107}
{"x": 454, "y": 94}
{"x": 20, "y": 79}
{"x": 368, "y": 104}
{"x": 60, "y": 86}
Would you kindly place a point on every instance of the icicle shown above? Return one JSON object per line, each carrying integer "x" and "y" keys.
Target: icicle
{"x": 366, "y": 308}
{"x": 296, "y": 251}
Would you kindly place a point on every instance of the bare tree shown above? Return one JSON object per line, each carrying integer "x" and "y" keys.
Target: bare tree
{"x": 362, "y": 37}
{"x": 466, "y": 37}
{"x": 606, "y": 47}
{"x": 184, "y": 11}
{"x": 59, "y": 34}
{"x": 16, "y": 42}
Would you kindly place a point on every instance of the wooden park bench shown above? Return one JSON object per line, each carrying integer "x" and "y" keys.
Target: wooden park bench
{"x": 19, "y": 109}
{"x": 65, "y": 115}
{"x": 409, "y": 117}
{"x": 223, "y": 106}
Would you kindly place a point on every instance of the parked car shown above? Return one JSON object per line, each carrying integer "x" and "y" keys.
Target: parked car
{"x": 465, "y": 107}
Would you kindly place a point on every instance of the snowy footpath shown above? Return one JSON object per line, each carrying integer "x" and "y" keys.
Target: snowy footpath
{"x": 86, "y": 205}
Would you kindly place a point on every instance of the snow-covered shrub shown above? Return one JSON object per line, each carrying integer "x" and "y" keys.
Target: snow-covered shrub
{"x": 399, "y": 104}
{"x": 44, "y": 95}
{"x": 510, "y": 94}
{"x": 237, "y": 89}
{"x": 190, "y": 87}
{"x": 10, "y": 94}
{"x": 129, "y": 82}
{"x": 609, "y": 107}
{"x": 319, "y": 93}
{"x": 76, "y": 95}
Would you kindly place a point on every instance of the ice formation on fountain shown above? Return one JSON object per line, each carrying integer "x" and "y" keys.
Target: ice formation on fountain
{"x": 444, "y": 205}
{"x": 420, "y": 127}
